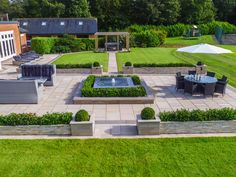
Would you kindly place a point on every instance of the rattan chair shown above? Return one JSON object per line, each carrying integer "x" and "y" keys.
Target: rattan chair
{"x": 190, "y": 87}
{"x": 211, "y": 74}
{"x": 208, "y": 89}
{"x": 191, "y": 72}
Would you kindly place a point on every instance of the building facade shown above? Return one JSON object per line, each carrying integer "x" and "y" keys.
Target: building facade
{"x": 12, "y": 42}
{"x": 46, "y": 27}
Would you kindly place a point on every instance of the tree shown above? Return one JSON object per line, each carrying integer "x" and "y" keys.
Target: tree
{"x": 197, "y": 11}
{"x": 4, "y": 6}
{"x": 49, "y": 9}
{"x": 76, "y": 8}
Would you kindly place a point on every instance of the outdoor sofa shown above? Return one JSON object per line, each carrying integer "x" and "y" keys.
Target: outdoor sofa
{"x": 19, "y": 92}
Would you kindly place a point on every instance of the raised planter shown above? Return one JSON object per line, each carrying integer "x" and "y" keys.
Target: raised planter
{"x": 193, "y": 127}
{"x": 35, "y": 130}
{"x": 128, "y": 69}
{"x": 85, "y": 128}
{"x": 201, "y": 69}
{"x": 148, "y": 127}
{"x": 97, "y": 70}
{"x": 157, "y": 70}
{"x": 79, "y": 99}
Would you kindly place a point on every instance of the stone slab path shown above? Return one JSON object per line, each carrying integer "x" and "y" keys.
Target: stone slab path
{"x": 112, "y": 65}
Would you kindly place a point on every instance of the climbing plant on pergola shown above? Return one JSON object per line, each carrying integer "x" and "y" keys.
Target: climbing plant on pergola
{"x": 117, "y": 34}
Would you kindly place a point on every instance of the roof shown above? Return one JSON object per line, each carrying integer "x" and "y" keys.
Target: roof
{"x": 8, "y": 22}
{"x": 111, "y": 33}
{"x": 59, "y": 26}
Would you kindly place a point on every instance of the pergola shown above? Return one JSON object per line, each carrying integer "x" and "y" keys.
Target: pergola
{"x": 117, "y": 34}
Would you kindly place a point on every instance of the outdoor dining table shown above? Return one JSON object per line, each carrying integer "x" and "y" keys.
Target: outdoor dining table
{"x": 201, "y": 79}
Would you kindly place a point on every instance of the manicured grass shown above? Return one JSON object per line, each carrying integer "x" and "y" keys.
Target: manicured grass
{"x": 83, "y": 58}
{"x": 120, "y": 157}
{"x": 148, "y": 55}
{"x": 180, "y": 41}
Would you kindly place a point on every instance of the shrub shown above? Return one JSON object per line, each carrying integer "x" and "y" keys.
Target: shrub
{"x": 199, "y": 115}
{"x": 43, "y": 45}
{"x": 128, "y": 63}
{"x": 82, "y": 115}
{"x": 148, "y": 113}
{"x": 70, "y": 66}
{"x": 149, "y": 38}
{"x": 61, "y": 49}
{"x": 139, "y": 65}
{"x": 199, "y": 63}
{"x": 96, "y": 64}
{"x": 32, "y": 119}
{"x": 88, "y": 90}
{"x": 136, "y": 80}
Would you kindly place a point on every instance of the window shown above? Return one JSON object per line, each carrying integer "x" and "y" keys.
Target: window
{"x": 7, "y": 46}
{"x": 62, "y": 23}
{"x": 44, "y": 23}
{"x": 80, "y": 23}
{"x": 25, "y": 23}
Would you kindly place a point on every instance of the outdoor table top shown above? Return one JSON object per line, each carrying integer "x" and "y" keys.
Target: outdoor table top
{"x": 40, "y": 80}
{"x": 201, "y": 79}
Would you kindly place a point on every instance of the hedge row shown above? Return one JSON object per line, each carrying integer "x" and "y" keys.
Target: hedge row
{"x": 179, "y": 29}
{"x": 139, "y": 65}
{"x": 199, "y": 115}
{"x": 66, "y": 44}
{"x": 71, "y": 66}
{"x": 32, "y": 119}
{"x": 88, "y": 90}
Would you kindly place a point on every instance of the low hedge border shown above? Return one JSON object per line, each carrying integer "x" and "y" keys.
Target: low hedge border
{"x": 72, "y": 66}
{"x": 88, "y": 90}
{"x": 14, "y": 119}
{"x": 139, "y": 65}
{"x": 199, "y": 115}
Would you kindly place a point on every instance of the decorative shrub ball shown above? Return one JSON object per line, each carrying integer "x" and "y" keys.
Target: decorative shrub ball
{"x": 128, "y": 63}
{"x": 148, "y": 113}
{"x": 82, "y": 115}
{"x": 199, "y": 63}
{"x": 96, "y": 64}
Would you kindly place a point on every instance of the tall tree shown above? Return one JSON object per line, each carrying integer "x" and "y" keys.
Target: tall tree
{"x": 197, "y": 11}
{"x": 4, "y": 6}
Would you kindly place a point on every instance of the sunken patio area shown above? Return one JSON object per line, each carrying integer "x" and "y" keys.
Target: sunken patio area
{"x": 59, "y": 99}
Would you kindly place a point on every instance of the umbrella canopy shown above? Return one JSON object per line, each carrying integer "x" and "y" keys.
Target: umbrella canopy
{"x": 204, "y": 48}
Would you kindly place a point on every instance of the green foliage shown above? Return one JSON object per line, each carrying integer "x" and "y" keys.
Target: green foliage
{"x": 148, "y": 38}
{"x": 71, "y": 66}
{"x": 32, "y": 119}
{"x": 136, "y": 80}
{"x": 199, "y": 115}
{"x": 139, "y": 65}
{"x": 43, "y": 45}
{"x": 128, "y": 63}
{"x": 96, "y": 64}
{"x": 88, "y": 90}
{"x": 82, "y": 115}
{"x": 66, "y": 44}
{"x": 148, "y": 113}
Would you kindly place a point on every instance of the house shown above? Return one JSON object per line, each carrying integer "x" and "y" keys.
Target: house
{"x": 45, "y": 27}
{"x": 12, "y": 41}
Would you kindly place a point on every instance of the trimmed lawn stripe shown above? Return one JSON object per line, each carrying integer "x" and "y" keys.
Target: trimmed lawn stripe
{"x": 83, "y": 58}
{"x": 119, "y": 157}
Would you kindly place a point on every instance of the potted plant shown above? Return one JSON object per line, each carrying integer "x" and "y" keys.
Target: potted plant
{"x": 82, "y": 124}
{"x": 128, "y": 68}
{"x": 148, "y": 123}
{"x": 201, "y": 68}
{"x": 97, "y": 68}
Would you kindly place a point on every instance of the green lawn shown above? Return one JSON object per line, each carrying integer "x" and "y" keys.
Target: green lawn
{"x": 83, "y": 58}
{"x": 193, "y": 157}
{"x": 179, "y": 41}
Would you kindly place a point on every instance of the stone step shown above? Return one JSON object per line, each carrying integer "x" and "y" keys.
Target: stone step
{"x": 115, "y": 121}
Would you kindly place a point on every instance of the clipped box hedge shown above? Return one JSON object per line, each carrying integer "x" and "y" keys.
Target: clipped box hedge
{"x": 88, "y": 90}
{"x": 139, "y": 65}
{"x": 199, "y": 115}
{"x": 14, "y": 119}
{"x": 71, "y": 66}
{"x": 43, "y": 45}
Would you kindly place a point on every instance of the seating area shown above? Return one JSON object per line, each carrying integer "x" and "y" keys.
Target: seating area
{"x": 207, "y": 84}
{"x": 25, "y": 58}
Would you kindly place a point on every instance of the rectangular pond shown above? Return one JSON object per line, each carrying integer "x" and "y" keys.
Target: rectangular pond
{"x": 113, "y": 82}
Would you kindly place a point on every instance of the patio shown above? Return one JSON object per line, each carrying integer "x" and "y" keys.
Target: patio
{"x": 59, "y": 99}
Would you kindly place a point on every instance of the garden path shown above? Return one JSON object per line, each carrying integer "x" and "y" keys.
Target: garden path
{"x": 112, "y": 67}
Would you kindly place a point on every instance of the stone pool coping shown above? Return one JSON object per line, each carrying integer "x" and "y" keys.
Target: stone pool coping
{"x": 149, "y": 99}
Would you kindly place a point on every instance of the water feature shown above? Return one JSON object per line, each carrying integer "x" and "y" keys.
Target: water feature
{"x": 113, "y": 82}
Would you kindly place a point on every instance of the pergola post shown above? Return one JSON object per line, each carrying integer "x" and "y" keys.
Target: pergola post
{"x": 118, "y": 42}
{"x": 127, "y": 42}
{"x": 105, "y": 42}
{"x": 96, "y": 42}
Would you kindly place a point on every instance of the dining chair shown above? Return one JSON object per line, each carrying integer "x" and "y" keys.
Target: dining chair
{"x": 211, "y": 74}
{"x": 191, "y": 72}
{"x": 209, "y": 88}
{"x": 190, "y": 87}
